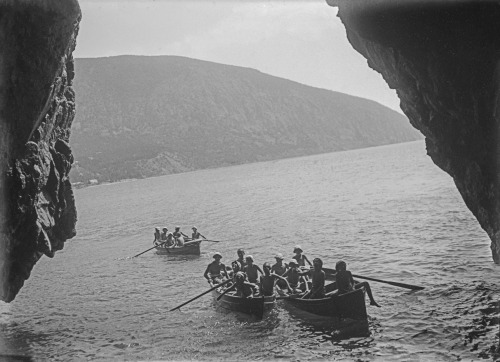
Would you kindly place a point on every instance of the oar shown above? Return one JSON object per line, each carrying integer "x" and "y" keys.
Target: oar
{"x": 225, "y": 291}
{"x": 190, "y": 242}
{"x": 149, "y": 249}
{"x": 290, "y": 296}
{"x": 202, "y": 294}
{"x": 215, "y": 241}
{"x": 396, "y": 284}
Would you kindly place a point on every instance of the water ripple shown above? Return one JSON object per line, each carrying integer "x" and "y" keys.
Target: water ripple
{"x": 387, "y": 211}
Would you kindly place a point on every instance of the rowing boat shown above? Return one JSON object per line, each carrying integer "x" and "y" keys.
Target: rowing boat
{"x": 255, "y": 306}
{"x": 191, "y": 247}
{"x": 350, "y": 305}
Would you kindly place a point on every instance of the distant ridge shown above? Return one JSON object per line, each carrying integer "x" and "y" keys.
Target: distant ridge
{"x": 141, "y": 116}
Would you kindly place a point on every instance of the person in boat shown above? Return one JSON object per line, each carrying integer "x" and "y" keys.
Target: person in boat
{"x": 241, "y": 259}
{"x": 345, "y": 282}
{"x": 243, "y": 287}
{"x": 230, "y": 272}
{"x": 252, "y": 270}
{"x": 279, "y": 269}
{"x": 318, "y": 281}
{"x": 178, "y": 233}
{"x": 196, "y": 235}
{"x": 236, "y": 267}
{"x": 157, "y": 235}
{"x": 170, "y": 240}
{"x": 216, "y": 270}
{"x": 179, "y": 242}
{"x": 163, "y": 236}
{"x": 268, "y": 281}
{"x": 295, "y": 277}
{"x": 299, "y": 257}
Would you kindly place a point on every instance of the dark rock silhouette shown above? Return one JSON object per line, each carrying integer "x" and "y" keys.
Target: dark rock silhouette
{"x": 442, "y": 57}
{"x": 37, "y": 106}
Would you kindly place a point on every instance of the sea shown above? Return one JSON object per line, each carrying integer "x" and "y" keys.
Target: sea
{"x": 388, "y": 212}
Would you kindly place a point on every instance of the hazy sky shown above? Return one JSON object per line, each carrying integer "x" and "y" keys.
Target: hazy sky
{"x": 298, "y": 40}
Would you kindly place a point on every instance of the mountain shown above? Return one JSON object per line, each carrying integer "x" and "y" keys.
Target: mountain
{"x": 141, "y": 116}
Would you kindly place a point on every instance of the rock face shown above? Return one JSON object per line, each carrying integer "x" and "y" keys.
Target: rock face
{"x": 37, "y": 106}
{"x": 443, "y": 58}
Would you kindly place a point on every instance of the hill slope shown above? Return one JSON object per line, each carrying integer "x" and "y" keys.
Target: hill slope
{"x": 144, "y": 116}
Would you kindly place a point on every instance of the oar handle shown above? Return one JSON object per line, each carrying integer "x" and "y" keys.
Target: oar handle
{"x": 226, "y": 291}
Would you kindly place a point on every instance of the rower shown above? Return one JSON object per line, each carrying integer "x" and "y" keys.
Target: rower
{"x": 346, "y": 284}
{"x": 301, "y": 258}
{"x": 196, "y": 235}
{"x": 241, "y": 259}
{"x": 252, "y": 270}
{"x": 235, "y": 267}
{"x": 279, "y": 269}
{"x": 215, "y": 270}
{"x": 163, "y": 236}
{"x": 294, "y": 277}
{"x": 157, "y": 235}
{"x": 243, "y": 287}
{"x": 318, "y": 281}
{"x": 170, "y": 240}
{"x": 268, "y": 281}
{"x": 178, "y": 235}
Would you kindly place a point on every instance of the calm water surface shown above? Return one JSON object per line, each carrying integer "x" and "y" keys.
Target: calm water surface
{"x": 387, "y": 211}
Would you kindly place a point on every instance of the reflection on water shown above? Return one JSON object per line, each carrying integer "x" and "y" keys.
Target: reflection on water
{"x": 329, "y": 328}
{"x": 17, "y": 341}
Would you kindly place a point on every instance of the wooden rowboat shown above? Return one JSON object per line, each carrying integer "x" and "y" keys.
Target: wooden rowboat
{"x": 255, "y": 306}
{"x": 350, "y": 305}
{"x": 191, "y": 247}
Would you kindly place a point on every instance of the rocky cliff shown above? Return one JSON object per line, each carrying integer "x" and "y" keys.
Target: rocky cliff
{"x": 37, "y": 106}
{"x": 443, "y": 58}
{"x": 141, "y": 116}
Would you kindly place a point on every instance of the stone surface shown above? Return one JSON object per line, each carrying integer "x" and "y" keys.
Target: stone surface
{"x": 37, "y": 106}
{"x": 443, "y": 59}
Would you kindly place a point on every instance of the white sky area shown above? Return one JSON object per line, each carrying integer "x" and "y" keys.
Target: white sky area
{"x": 302, "y": 41}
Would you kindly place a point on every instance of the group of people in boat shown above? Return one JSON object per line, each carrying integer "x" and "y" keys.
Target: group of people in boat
{"x": 177, "y": 239}
{"x": 294, "y": 277}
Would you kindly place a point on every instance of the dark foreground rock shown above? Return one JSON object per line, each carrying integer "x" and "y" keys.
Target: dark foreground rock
{"x": 37, "y": 106}
{"x": 442, "y": 57}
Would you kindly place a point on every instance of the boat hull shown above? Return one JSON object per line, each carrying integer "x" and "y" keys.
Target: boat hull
{"x": 193, "y": 248}
{"x": 256, "y": 306}
{"x": 350, "y": 305}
